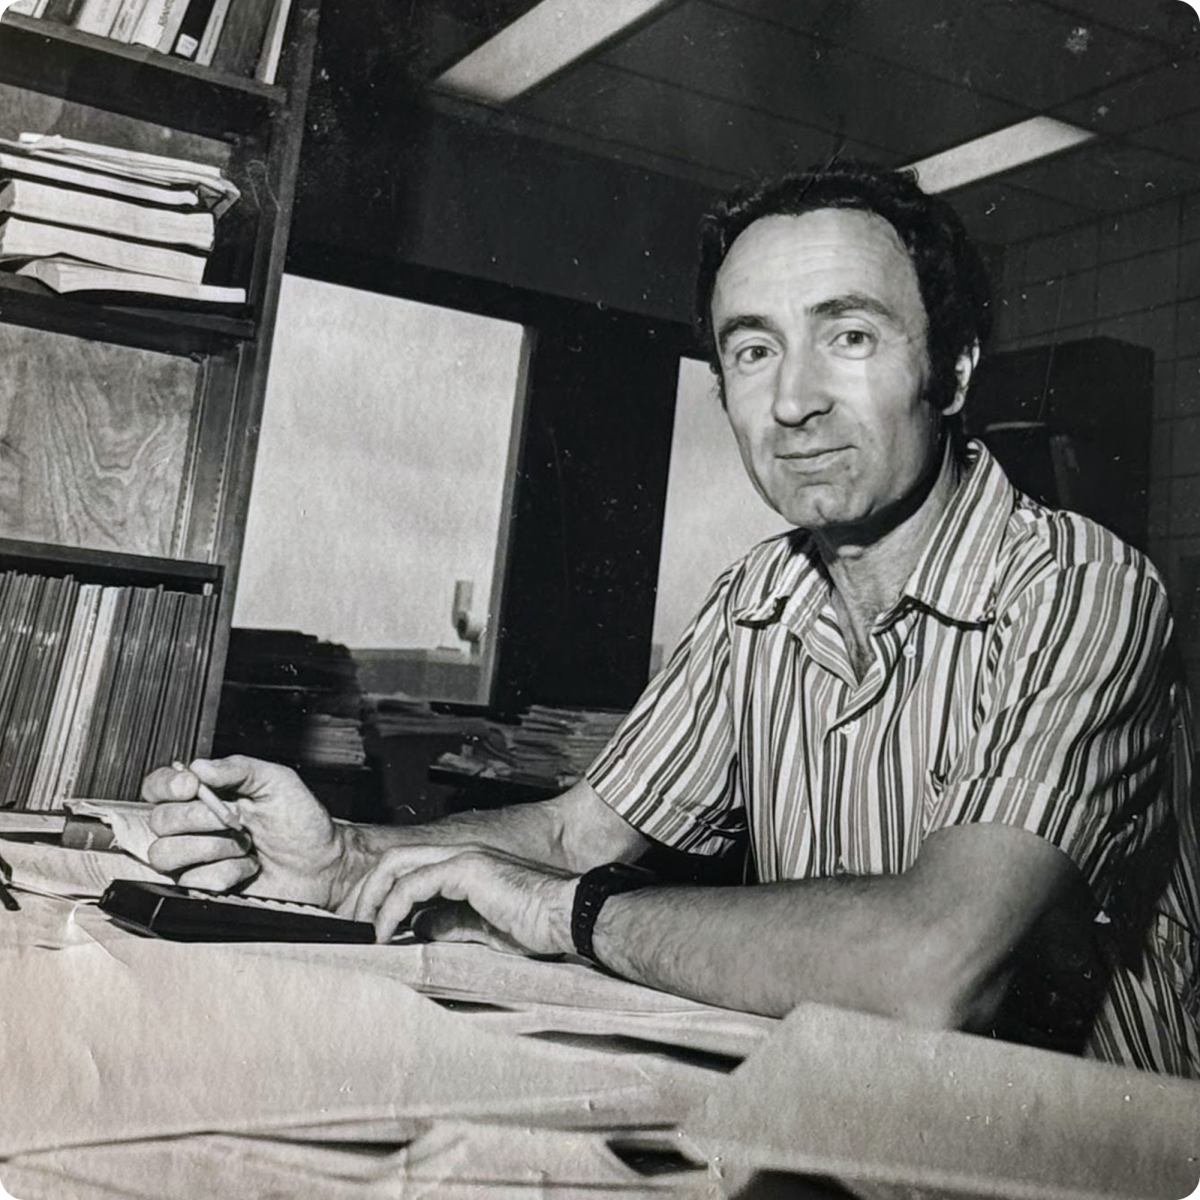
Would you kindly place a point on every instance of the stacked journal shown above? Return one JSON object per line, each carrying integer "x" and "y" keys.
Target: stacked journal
{"x": 98, "y": 684}
{"x": 84, "y": 217}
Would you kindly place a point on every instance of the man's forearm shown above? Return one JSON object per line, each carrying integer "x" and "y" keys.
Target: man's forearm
{"x": 571, "y": 832}
{"x": 856, "y": 943}
{"x": 532, "y": 831}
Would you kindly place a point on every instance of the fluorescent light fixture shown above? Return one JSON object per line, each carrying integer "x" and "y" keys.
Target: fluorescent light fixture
{"x": 997, "y": 152}
{"x": 544, "y": 40}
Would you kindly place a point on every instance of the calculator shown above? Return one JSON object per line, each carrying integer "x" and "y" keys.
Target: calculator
{"x": 186, "y": 914}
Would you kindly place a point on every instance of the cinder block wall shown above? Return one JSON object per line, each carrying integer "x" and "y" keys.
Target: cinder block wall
{"x": 1135, "y": 277}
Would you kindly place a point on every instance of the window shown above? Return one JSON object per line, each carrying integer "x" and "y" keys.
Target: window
{"x": 713, "y": 514}
{"x": 381, "y": 483}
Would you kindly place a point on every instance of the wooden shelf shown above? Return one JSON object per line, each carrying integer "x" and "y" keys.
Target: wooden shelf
{"x": 58, "y": 60}
{"x": 106, "y": 566}
{"x": 25, "y": 301}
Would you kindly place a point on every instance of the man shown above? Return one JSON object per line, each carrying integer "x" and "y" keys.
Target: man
{"x": 948, "y": 717}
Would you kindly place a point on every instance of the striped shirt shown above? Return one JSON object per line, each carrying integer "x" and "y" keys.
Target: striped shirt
{"x": 1026, "y": 676}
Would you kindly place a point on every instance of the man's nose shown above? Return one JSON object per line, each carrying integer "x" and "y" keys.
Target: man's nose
{"x": 800, "y": 391}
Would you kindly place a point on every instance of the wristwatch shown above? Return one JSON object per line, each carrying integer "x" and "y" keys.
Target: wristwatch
{"x": 594, "y": 887}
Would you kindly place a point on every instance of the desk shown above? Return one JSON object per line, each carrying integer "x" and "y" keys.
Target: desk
{"x": 134, "y": 1067}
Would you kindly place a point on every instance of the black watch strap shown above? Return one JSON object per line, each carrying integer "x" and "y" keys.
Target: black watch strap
{"x": 594, "y": 887}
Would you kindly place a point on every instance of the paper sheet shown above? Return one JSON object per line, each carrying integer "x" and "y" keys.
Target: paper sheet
{"x": 128, "y": 819}
{"x": 947, "y": 1112}
{"x": 59, "y": 871}
{"x": 249, "y": 1043}
{"x": 449, "y": 1161}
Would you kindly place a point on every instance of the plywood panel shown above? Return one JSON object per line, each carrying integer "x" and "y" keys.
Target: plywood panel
{"x": 93, "y": 441}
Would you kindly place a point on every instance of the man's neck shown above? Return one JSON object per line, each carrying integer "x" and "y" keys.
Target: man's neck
{"x": 869, "y": 572}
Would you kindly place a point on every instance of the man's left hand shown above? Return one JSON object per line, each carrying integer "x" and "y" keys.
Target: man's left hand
{"x": 514, "y": 904}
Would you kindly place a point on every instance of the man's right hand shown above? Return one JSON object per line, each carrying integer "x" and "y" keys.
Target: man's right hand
{"x": 289, "y": 848}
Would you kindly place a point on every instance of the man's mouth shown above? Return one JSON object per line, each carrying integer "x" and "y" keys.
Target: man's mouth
{"x": 809, "y": 455}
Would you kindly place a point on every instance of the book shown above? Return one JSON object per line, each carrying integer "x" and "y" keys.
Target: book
{"x": 126, "y": 20}
{"x": 272, "y": 47}
{"x": 212, "y": 33}
{"x": 54, "y": 143}
{"x": 16, "y": 159}
{"x": 217, "y": 192}
{"x": 68, "y": 276}
{"x": 85, "y": 714}
{"x": 89, "y": 752}
{"x": 241, "y": 43}
{"x": 45, "y": 781}
{"x": 42, "y": 690}
{"x": 63, "y": 11}
{"x": 149, "y": 27}
{"x": 32, "y": 687}
{"x": 191, "y": 29}
{"x": 176, "y": 11}
{"x": 97, "y": 16}
{"x": 22, "y": 238}
{"x": 81, "y": 210}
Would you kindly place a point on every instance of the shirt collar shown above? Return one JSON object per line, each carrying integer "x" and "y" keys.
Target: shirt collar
{"x": 953, "y": 577}
{"x": 956, "y": 571}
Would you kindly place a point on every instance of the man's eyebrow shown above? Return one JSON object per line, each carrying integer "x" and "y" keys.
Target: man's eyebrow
{"x": 839, "y": 306}
{"x": 732, "y": 325}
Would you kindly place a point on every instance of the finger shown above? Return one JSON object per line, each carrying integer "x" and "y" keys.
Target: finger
{"x": 252, "y": 777}
{"x": 349, "y": 902}
{"x": 190, "y": 850}
{"x": 442, "y": 879}
{"x": 395, "y": 865}
{"x": 220, "y": 876}
{"x": 460, "y": 923}
{"x": 186, "y": 816}
{"x": 168, "y": 784}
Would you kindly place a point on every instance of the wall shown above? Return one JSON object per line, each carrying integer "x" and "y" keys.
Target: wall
{"x": 1135, "y": 277}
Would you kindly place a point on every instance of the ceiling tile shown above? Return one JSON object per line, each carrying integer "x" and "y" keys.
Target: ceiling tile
{"x": 997, "y": 212}
{"x": 1108, "y": 176}
{"x": 712, "y": 51}
{"x": 1137, "y": 103}
{"x": 1179, "y": 136}
{"x": 680, "y": 125}
{"x": 1172, "y": 23}
{"x": 1029, "y": 53}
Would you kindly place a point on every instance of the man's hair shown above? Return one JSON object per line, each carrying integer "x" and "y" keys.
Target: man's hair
{"x": 950, "y": 272}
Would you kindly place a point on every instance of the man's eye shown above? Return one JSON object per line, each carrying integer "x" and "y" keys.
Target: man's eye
{"x": 859, "y": 341}
{"x": 749, "y": 355}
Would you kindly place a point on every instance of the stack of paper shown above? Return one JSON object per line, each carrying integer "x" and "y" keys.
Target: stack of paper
{"x": 550, "y": 747}
{"x": 90, "y": 218}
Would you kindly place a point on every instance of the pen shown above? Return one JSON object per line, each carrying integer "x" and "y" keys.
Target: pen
{"x": 219, "y": 809}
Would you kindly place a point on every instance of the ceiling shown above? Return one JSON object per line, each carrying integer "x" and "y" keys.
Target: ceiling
{"x": 716, "y": 91}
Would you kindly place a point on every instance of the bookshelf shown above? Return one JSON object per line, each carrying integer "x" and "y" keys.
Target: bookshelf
{"x": 127, "y": 433}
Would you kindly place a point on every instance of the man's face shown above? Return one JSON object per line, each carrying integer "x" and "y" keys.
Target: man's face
{"x": 822, "y": 340}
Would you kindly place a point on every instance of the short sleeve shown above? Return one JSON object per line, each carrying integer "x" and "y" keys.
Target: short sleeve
{"x": 670, "y": 768}
{"x": 1077, "y": 700}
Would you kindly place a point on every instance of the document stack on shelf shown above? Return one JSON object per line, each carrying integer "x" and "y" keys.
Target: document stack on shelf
{"x": 81, "y": 217}
{"x": 98, "y": 684}
{"x": 291, "y": 698}
{"x": 242, "y": 37}
{"x": 550, "y": 747}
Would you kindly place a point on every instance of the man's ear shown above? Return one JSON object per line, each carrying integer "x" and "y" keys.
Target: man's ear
{"x": 964, "y": 368}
